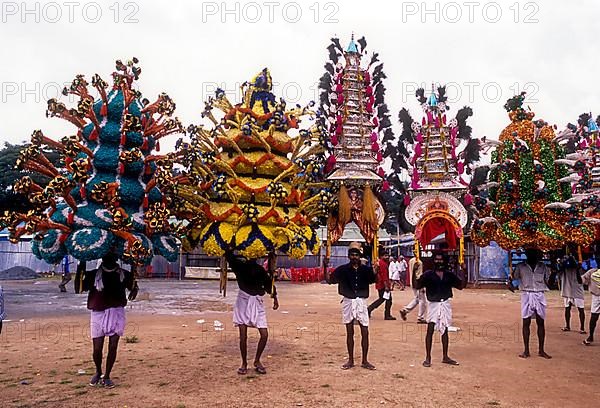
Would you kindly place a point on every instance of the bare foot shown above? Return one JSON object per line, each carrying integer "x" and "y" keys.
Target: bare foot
{"x": 367, "y": 365}
{"x": 448, "y": 360}
{"x": 348, "y": 365}
{"x": 524, "y": 354}
{"x": 259, "y": 368}
{"x": 545, "y": 355}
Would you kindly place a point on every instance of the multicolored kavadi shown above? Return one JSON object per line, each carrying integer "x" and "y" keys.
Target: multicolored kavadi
{"x": 249, "y": 182}
{"x": 523, "y": 203}
{"x": 105, "y": 197}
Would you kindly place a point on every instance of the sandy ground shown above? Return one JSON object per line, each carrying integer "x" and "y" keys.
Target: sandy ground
{"x": 179, "y": 361}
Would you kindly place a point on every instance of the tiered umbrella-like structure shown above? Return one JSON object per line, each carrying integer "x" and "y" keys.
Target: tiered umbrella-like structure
{"x": 357, "y": 121}
{"x": 250, "y": 182}
{"x": 440, "y": 150}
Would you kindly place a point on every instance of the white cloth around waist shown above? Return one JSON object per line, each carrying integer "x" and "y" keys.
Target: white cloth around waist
{"x": 440, "y": 313}
{"x": 578, "y": 303}
{"x": 595, "y": 304}
{"x": 533, "y": 303}
{"x": 249, "y": 311}
{"x": 355, "y": 309}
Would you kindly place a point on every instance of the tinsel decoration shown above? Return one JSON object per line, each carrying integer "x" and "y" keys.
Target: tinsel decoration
{"x": 520, "y": 205}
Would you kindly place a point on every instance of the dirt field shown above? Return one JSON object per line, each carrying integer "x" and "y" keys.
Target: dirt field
{"x": 179, "y": 362}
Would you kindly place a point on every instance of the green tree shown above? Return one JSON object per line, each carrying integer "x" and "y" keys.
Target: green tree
{"x": 9, "y": 200}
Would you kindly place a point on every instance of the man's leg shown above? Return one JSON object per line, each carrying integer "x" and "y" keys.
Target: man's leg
{"x": 445, "y": 344}
{"x": 593, "y": 321}
{"x": 376, "y": 303}
{"x": 262, "y": 342}
{"x": 422, "y": 306}
{"x": 541, "y": 332}
{"x": 388, "y": 309}
{"x": 428, "y": 344}
{"x": 581, "y": 320}
{"x": 411, "y": 305}
{"x": 66, "y": 278}
{"x": 349, "y": 345}
{"x": 526, "y": 332}
{"x": 98, "y": 344}
{"x": 111, "y": 356}
{"x": 244, "y": 345}
{"x": 364, "y": 343}
{"x": 567, "y": 318}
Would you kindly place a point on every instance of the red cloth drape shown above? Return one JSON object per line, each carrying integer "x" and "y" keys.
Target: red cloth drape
{"x": 435, "y": 227}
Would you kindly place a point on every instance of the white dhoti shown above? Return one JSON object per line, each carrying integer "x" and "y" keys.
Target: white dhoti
{"x": 440, "y": 313}
{"x": 595, "y": 304}
{"x": 355, "y": 309}
{"x": 578, "y": 303}
{"x": 533, "y": 303}
{"x": 249, "y": 311}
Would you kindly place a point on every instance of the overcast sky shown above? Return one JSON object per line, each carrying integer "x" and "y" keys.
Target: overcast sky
{"x": 485, "y": 51}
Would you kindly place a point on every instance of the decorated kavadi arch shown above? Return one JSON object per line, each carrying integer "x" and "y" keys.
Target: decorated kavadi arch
{"x": 439, "y": 158}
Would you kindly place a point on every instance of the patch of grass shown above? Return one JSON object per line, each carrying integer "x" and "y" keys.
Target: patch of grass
{"x": 132, "y": 339}
{"x": 11, "y": 385}
{"x": 162, "y": 384}
{"x": 180, "y": 406}
{"x": 151, "y": 365}
{"x": 77, "y": 386}
{"x": 51, "y": 382}
{"x": 112, "y": 394}
{"x": 401, "y": 376}
{"x": 493, "y": 402}
{"x": 52, "y": 373}
{"x": 66, "y": 358}
{"x": 81, "y": 392}
{"x": 325, "y": 385}
{"x": 66, "y": 381}
{"x": 304, "y": 364}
